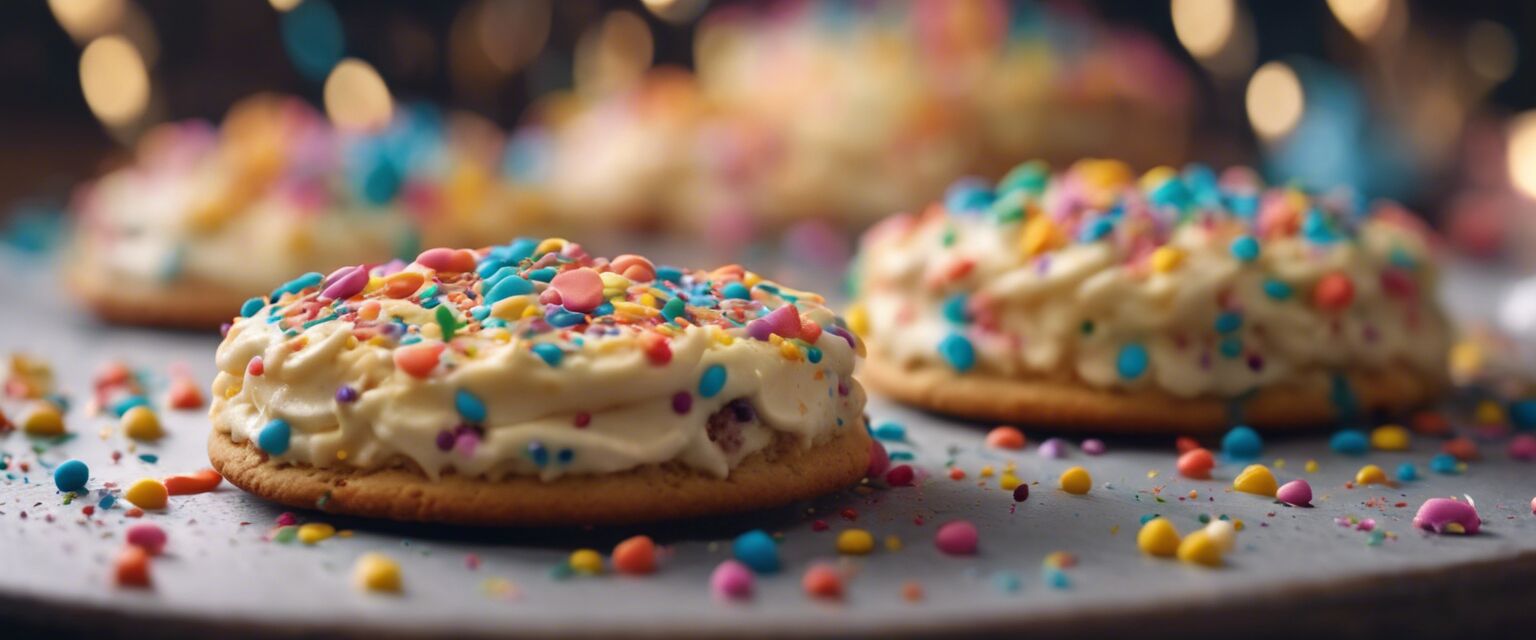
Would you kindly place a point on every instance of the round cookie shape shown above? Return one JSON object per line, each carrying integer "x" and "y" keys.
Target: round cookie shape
{"x": 533, "y": 383}
{"x": 1176, "y": 301}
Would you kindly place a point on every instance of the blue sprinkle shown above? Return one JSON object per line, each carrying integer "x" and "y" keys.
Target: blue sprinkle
{"x": 1350, "y": 442}
{"x": 1057, "y": 579}
{"x": 968, "y": 196}
{"x": 712, "y": 381}
{"x": 106, "y": 501}
{"x": 275, "y": 437}
{"x": 71, "y": 475}
{"x": 1132, "y": 362}
{"x": 757, "y": 550}
{"x": 251, "y": 306}
{"x": 480, "y": 312}
{"x": 489, "y": 267}
{"x": 890, "y": 431}
{"x": 1244, "y": 206}
{"x": 669, "y": 274}
{"x": 1098, "y": 229}
{"x": 122, "y": 406}
{"x": 1007, "y": 582}
{"x": 958, "y": 352}
{"x": 1242, "y": 443}
{"x": 539, "y": 453}
{"x": 1170, "y": 193}
{"x": 410, "y": 339}
{"x": 1444, "y": 463}
{"x": 149, "y": 458}
{"x": 563, "y": 318}
{"x": 1522, "y": 413}
{"x": 542, "y": 275}
{"x": 469, "y": 406}
{"x": 1148, "y": 517}
{"x": 1245, "y": 248}
{"x": 902, "y": 455}
{"x": 521, "y": 249}
{"x": 1230, "y": 347}
{"x": 298, "y": 284}
{"x": 551, "y": 354}
{"x": 674, "y": 309}
{"x": 1406, "y": 472}
{"x": 507, "y": 287}
{"x": 494, "y": 323}
{"x": 565, "y": 456}
{"x": 954, "y": 309}
{"x": 604, "y": 309}
{"x": 736, "y": 291}
{"x": 813, "y": 354}
{"x": 1229, "y": 321}
{"x": 1315, "y": 228}
{"x": 1277, "y": 290}
{"x": 381, "y": 183}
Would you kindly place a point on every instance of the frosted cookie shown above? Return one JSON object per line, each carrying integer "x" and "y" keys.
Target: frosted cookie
{"x": 1176, "y": 302}
{"x": 204, "y": 218}
{"x": 534, "y": 384}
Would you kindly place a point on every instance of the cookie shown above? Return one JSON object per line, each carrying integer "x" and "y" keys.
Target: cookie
{"x": 206, "y": 218}
{"x": 535, "y": 384}
{"x": 1176, "y": 302}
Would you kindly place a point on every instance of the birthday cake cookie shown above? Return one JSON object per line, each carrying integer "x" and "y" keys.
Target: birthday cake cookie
{"x": 534, "y": 384}
{"x": 205, "y": 218}
{"x": 1174, "y": 302}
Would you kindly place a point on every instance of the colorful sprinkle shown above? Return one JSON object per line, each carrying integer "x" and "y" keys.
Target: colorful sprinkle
{"x": 712, "y": 381}
{"x": 1242, "y": 443}
{"x": 1159, "y": 538}
{"x": 147, "y": 493}
{"x": 958, "y": 538}
{"x": 1256, "y": 479}
{"x": 1076, "y": 481}
{"x": 757, "y": 549}
{"x": 1005, "y": 437}
{"x": 71, "y": 475}
{"x": 376, "y": 573}
{"x": 1297, "y": 493}
{"x": 275, "y": 437}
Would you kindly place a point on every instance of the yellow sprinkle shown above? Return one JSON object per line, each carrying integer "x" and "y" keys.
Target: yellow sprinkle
{"x": 1156, "y": 176}
{"x": 341, "y": 454}
{"x": 1223, "y": 533}
{"x": 1237, "y": 524}
{"x": 533, "y": 311}
{"x": 1311, "y": 466}
{"x": 43, "y": 420}
{"x": 1198, "y": 548}
{"x": 892, "y": 543}
{"x": 1008, "y": 482}
{"x": 750, "y": 279}
{"x": 987, "y": 471}
{"x": 1279, "y": 463}
{"x": 376, "y": 572}
{"x": 1040, "y": 235}
{"x": 1153, "y": 473}
{"x": 858, "y": 320}
{"x": 1076, "y": 481}
{"x": 147, "y": 493}
{"x": 1158, "y": 537}
{"x": 587, "y": 561}
{"x": 725, "y": 339}
{"x": 374, "y": 282}
{"x": 1489, "y": 412}
{"x": 649, "y": 301}
{"x": 314, "y": 532}
{"x": 855, "y": 542}
{"x": 613, "y": 280}
{"x": 512, "y": 307}
{"x": 140, "y": 423}
{"x": 1390, "y": 437}
{"x": 1455, "y": 527}
{"x": 232, "y": 391}
{"x": 1370, "y": 474}
{"x": 1256, "y": 479}
{"x": 789, "y": 351}
{"x": 1166, "y": 259}
{"x": 550, "y": 244}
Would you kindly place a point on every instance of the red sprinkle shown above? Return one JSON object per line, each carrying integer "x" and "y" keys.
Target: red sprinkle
{"x": 1333, "y": 292}
{"x": 256, "y": 367}
{"x": 900, "y": 475}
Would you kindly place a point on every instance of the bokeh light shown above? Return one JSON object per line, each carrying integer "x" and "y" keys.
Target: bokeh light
{"x": 114, "y": 80}
{"x": 1203, "y": 26}
{"x": 1363, "y": 18}
{"x": 1522, "y": 153}
{"x": 512, "y": 32}
{"x": 1491, "y": 51}
{"x": 356, "y": 98}
{"x": 613, "y": 55}
{"x": 676, "y": 11}
{"x": 1275, "y": 100}
{"x": 84, "y": 20}
{"x": 285, "y": 5}
{"x": 313, "y": 38}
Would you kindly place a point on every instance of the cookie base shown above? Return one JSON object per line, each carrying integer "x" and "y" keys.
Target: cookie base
{"x": 175, "y": 306}
{"x": 1067, "y": 405}
{"x": 781, "y": 474}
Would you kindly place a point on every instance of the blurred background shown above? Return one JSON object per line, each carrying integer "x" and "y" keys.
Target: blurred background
{"x": 657, "y": 114}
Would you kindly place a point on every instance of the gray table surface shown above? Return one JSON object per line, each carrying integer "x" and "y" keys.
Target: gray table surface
{"x": 1293, "y": 568}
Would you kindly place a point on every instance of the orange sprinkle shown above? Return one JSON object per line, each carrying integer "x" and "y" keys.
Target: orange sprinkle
{"x": 132, "y": 568}
{"x": 956, "y": 473}
{"x": 419, "y": 359}
{"x": 635, "y": 556}
{"x": 185, "y": 484}
{"x": 1006, "y": 437}
{"x": 822, "y": 581}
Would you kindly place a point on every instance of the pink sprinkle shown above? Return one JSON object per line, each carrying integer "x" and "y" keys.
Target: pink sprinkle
{"x": 1093, "y": 446}
{"x": 900, "y": 476}
{"x": 465, "y": 444}
{"x": 447, "y": 260}
{"x": 731, "y": 581}
{"x": 1437, "y": 514}
{"x": 1296, "y": 493}
{"x": 471, "y": 562}
{"x": 1523, "y": 447}
{"x": 345, "y": 283}
{"x": 784, "y": 321}
{"x": 821, "y": 525}
{"x": 1533, "y": 506}
{"x": 581, "y": 290}
{"x": 1054, "y": 448}
{"x": 287, "y": 518}
{"x": 148, "y": 536}
{"x": 957, "y": 538}
{"x": 256, "y": 367}
{"x": 879, "y": 460}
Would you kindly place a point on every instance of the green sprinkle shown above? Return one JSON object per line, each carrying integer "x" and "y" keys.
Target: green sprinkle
{"x": 446, "y": 320}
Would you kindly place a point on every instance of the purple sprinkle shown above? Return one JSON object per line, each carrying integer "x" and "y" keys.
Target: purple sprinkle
{"x": 444, "y": 440}
{"x": 1021, "y": 492}
{"x": 465, "y": 444}
{"x": 1256, "y": 362}
{"x": 682, "y": 403}
{"x": 346, "y": 394}
{"x": 759, "y": 329}
{"x": 842, "y": 333}
{"x": 224, "y": 329}
{"x": 1093, "y": 446}
{"x": 1054, "y": 448}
